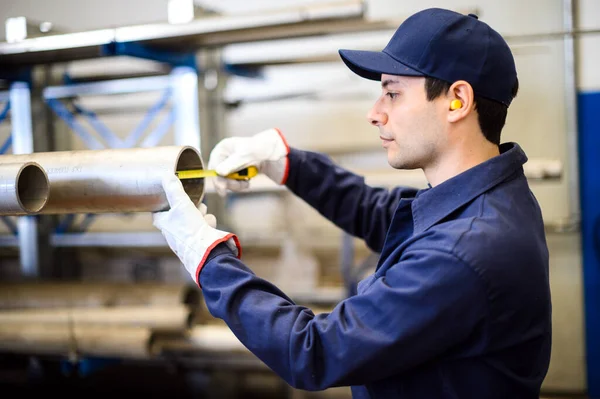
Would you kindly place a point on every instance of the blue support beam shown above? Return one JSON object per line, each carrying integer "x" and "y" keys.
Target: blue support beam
{"x": 589, "y": 150}
{"x": 15, "y": 74}
{"x": 255, "y": 72}
{"x": 109, "y": 137}
{"x": 10, "y": 224}
{"x": 8, "y": 143}
{"x": 138, "y": 50}
{"x": 139, "y": 130}
{"x": 159, "y": 132}
{"x": 4, "y": 111}
{"x": 63, "y": 112}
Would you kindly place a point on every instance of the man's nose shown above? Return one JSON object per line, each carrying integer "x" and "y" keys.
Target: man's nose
{"x": 376, "y": 116}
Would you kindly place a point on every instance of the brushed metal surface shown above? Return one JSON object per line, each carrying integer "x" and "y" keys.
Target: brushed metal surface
{"x": 24, "y": 188}
{"x": 113, "y": 180}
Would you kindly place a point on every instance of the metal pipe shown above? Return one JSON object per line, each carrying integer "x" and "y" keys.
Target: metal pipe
{"x": 174, "y": 318}
{"x": 571, "y": 115}
{"x": 113, "y": 180}
{"x": 70, "y": 340}
{"x": 24, "y": 188}
{"x": 78, "y": 294}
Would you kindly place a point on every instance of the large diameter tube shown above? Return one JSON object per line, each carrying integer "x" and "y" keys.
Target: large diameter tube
{"x": 158, "y": 318}
{"x": 78, "y": 294}
{"x": 89, "y": 340}
{"x": 24, "y": 188}
{"x": 113, "y": 180}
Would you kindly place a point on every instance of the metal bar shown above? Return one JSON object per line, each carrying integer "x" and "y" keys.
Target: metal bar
{"x": 21, "y": 118}
{"x": 28, "y": 245}
{"x": 113, "y": 180}
{"x": 158, "y": 133}
{"x": 134, "y": 239}
{"x": 117, "y": 86}
{"x": 111, "y": 139}
{"x": 185, "y": 105}
{"x": 22, "y": 143}
{"x": 137, "y": 50}
{"x": 219, "y": 30}
{"x": 533, "y": 37}
{"x": 571, "y": 114}
{"x": 139, "y": 130}
{"x": 90, "y": 141}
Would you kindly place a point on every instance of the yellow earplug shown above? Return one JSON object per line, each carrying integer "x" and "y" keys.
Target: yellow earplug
{"x": 455, "y": 104}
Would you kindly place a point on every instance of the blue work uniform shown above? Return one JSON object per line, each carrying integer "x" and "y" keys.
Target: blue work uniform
{"x": 459, "y": 305}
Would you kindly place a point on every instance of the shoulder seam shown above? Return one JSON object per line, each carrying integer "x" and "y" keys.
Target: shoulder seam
{"x": 484, "y": 282}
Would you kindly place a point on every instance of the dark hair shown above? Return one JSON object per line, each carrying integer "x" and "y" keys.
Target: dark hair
{"x": 491, "y": 114}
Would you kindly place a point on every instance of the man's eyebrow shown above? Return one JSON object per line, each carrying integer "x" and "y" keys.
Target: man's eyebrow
{"x": 388, "y": 82}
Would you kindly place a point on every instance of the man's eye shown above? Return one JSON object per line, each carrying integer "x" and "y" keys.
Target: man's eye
{"x": 392, "y": 95}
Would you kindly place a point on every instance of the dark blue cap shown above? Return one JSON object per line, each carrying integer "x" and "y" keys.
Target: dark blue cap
{"x": 446, "y": 45}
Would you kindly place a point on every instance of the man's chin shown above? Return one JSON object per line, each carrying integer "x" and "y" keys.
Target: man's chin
{"x": 402, "y": 164}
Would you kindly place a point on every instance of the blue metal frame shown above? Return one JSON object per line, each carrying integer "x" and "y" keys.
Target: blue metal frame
{"x": 16, "y": 74}
{"x": 3, "y": 114}
{"x": 174, "y": 90}
{"x": 5, "y": 146}
{"x": 63, "y": 112}
{"x": 110, "y": 138}
{"x": 138, "y": 50}
{"x": 589, "y": 150}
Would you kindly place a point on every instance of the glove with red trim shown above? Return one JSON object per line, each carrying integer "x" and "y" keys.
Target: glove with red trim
{"x": 190, "y": 232}
{"x": 266, "y": 150}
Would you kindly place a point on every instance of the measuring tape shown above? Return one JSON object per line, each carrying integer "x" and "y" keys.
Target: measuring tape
{"x": 244, "y": 174}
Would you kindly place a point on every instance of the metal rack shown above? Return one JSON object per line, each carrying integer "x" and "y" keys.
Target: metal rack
{"x": 176, "y": 46}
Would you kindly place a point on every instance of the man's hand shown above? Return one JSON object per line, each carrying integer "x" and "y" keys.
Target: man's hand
{"x": 266, "y": 150}
{"x": 190, "y": 232}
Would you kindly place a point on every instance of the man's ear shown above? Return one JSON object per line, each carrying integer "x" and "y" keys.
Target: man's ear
{"x": 461, "y": 100}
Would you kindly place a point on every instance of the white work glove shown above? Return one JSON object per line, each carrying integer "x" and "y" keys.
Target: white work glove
{"x": 266, "y": 150}
{"x": 189, "y": 231}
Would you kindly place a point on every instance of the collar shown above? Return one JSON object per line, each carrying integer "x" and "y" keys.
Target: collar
{"x": 433, "y": 204}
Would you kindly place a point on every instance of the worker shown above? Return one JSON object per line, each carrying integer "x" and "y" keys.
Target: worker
{"x": 459, "y": 304}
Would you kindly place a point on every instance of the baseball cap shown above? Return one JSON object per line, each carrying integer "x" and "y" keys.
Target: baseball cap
{"x": 446, "y": 45}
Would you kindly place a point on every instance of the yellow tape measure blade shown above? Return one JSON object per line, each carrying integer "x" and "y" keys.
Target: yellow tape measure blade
{"x": 244, "y": 174}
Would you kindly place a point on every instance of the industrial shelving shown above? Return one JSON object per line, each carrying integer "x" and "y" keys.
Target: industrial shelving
{"x": 176, "y": 47}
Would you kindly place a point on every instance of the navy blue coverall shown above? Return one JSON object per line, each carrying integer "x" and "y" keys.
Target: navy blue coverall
{"x": 458, "y": 307}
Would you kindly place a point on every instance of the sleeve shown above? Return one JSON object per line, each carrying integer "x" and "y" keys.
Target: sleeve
{"x": 423, "y": 306}
{"x": 343, "y": 197}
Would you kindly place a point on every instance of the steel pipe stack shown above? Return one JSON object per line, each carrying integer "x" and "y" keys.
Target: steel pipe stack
{"x": 107, "y": 181}
{"x": 101, "y": 319}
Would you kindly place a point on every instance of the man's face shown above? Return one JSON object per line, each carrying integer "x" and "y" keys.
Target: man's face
{"x": 410, "y": 126}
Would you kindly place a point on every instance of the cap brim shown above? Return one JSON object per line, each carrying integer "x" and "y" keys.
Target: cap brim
{"x": 371, "y": 64}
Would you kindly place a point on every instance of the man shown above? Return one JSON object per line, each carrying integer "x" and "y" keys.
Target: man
{"x": 459, "y": 305}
